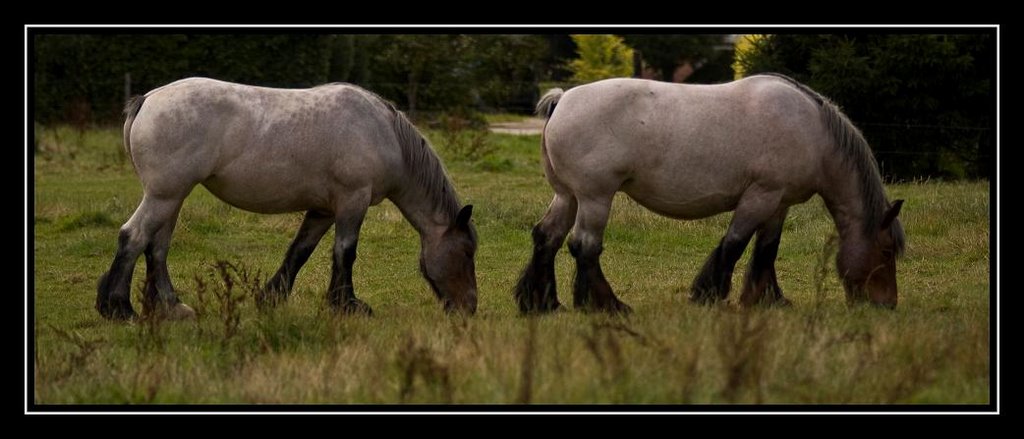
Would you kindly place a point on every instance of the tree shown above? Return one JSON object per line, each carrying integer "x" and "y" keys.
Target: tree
{"x": 745, "y": 45}
{"x": 708, "y": 54}
{"x": 432, "y": 68}
{"x": 601, "y": 57}
{"x": 506, "y": 70}
{"x": 81, "y": 77}
{"x": 925, "y": 103}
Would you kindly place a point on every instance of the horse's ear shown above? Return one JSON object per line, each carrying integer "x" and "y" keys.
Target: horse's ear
{"x": 890, "y": 215}
{"x": 462, "y": 220}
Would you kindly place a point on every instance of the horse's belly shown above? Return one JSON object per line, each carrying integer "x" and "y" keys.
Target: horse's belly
{"x": 692, "y": 197}
{"x": 679, "y": 206}
{"x": 265, "y": 197}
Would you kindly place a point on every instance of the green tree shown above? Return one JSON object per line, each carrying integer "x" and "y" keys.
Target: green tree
{"x": 710, "y": 55}
{"x": 600, "y": 57}
{"x": 80, "y": 77}
{"x": 428, "y": 68}
{"x": 506, "y": 70}
{"x": 925, "y": 103}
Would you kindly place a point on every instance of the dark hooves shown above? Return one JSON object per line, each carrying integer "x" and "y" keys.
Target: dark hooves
{"x": 538, "y": 309}
{"x": 270, "y": 296}
{"x": 266, "y": 301}
{"x": 704, "y": 299}
{"x": 355, "y": 307}
{"x": 614, "y": 307}
{"x": 780, "y": 302}
{"x": 116, "y": 310}
{"x": 178, "y": 311}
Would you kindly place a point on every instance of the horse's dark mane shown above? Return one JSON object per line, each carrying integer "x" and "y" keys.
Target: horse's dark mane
{"x": 423, "y": 165}
{"x": 421, "y": 162}
{"x": 856, "y": 153}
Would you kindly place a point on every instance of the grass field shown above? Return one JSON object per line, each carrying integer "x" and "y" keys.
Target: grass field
{"x": 934, "y": 348}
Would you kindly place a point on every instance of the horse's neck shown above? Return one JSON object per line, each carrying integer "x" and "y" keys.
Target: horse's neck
{"x": 845, "y": 204}
{"x": 428, "y": 220}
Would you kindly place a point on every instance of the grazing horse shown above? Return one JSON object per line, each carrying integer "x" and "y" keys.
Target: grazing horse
{"x": 331, "y": 151}
{"x": 754, "y": 146}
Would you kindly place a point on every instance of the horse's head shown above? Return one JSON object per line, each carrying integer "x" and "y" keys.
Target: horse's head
{"x": 447, "y": 264}
{"x": 868, "y": 268}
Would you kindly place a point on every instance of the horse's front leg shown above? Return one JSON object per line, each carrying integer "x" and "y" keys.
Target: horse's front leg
{"x": 591, "y": 291}
{"x": 761, "y": 286}
{"x": 349, "y": 216}
{"x": 314, "y": 226}
{"x": 714, "y": 281}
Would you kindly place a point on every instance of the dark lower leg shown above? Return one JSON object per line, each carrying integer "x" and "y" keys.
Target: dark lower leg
{"x": 591, "y": 291}
{"x": 715, "y": 278}
{"x": 341, "y": 294}
{"x": 761, "y": 286}
{"x": 113, "y": 293}
{"x": 150, "y": 229}
{"x": 536, "y": 290}
{"x": 313, "y": 228}
{"x": 159, "y": 292}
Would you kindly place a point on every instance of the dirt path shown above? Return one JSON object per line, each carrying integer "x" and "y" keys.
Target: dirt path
{"x": 526, "y": 127}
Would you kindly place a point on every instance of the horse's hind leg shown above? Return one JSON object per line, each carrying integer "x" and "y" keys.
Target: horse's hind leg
{"x": 536, "y": 290}
{"x": 715, "y": 278}
{"x": 348, "y": 220}
{"x": 761, "y": 285}
{"x": 159, "y": 294}
{"x": 314, "y": 226}
{"x": 113, "y": 298}
{"x": 591, "y": 291}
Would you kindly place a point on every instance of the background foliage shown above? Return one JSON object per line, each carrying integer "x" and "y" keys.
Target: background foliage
{"x": 925, "y": 102}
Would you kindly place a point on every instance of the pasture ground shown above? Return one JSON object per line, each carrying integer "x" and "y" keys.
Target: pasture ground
{"x": 934, "y": 348}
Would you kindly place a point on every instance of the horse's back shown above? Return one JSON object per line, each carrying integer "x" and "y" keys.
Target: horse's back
{"x": 686, "y": 150}
{"x": 248, "y": 144}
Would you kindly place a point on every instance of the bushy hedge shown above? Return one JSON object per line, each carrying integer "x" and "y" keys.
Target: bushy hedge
{"x": 79, "y": 78}
{"x": 926, "y": 103}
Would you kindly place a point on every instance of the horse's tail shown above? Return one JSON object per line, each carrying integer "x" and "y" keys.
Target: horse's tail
{"x": 131, "y": 109}
{"x": 546, "y": 104}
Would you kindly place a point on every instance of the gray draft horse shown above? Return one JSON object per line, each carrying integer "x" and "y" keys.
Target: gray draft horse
{"x": 754, "y": 146}
{"x": 331, "y": 151}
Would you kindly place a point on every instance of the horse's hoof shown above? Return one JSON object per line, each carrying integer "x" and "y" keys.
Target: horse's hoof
{"x": 181, "y": 311}
{"x": 704, "y": 299}
{"x": 116, "y": 310}
{"x": 619, "y": 308}
{"x": 356, "y": 306}
{"x": 266, "y": 300}
{"x": 615, "y": 308}
{"x": 542, "y": 308}
{"x": 162, "y": 311}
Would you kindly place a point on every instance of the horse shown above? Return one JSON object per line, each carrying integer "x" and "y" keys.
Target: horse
{"x": 755, "y": 146}
{"x": 331, "y": 151}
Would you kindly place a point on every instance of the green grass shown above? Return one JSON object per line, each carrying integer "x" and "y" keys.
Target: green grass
{"x": 934, "y": 348}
